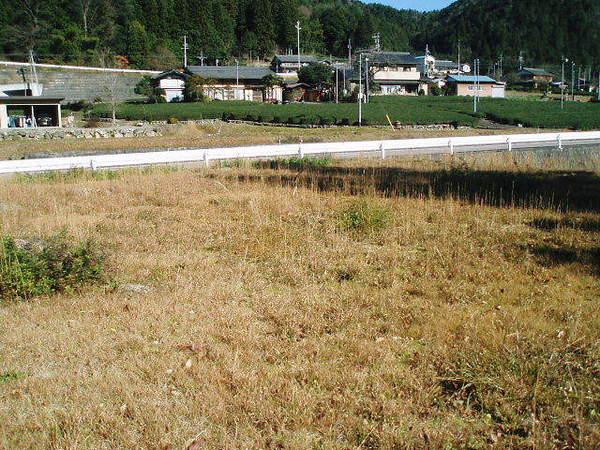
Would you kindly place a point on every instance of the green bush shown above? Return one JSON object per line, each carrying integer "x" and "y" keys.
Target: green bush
{"x": 42, "y": 267}
{"x": 365, "y": 217}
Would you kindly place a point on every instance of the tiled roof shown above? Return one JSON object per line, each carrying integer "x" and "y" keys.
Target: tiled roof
{"x": 230, "y": 72}
{"x": 445, "y": 64}
{"x": 541, "y": 72}
{"x": 304, "y": 59}
{"x": 392, "y": 58}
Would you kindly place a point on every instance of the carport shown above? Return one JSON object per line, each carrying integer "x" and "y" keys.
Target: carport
{"x": 30, "y": 112}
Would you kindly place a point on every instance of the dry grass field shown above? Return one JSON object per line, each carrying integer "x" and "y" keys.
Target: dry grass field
{"x": 223, "y": 134}
{"x": 326, "y": 312}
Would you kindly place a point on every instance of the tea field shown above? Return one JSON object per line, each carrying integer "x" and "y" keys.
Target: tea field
{"x": 405, "y": 110}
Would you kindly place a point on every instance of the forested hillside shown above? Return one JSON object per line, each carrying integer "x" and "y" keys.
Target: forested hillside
{"x": 150, "y": 32}
{"x": 543, "y": 30}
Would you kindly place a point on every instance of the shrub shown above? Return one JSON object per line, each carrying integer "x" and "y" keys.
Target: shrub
{"x": 92, "y": 123}
{"x": 173, "y": 121}
{"x": 81, "y": 105}
{"x": 42, "y": 267}
{"x": 296, "y": 163}
{"x": 364, "y": 217}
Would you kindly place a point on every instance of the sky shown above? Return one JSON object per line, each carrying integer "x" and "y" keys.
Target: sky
{"x": 421, "y": 5}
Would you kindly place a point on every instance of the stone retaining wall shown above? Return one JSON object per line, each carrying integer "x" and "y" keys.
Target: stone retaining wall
{"x": 79, "y": 133}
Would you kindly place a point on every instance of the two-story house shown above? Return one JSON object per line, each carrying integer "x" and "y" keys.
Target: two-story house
{"x": 287, "y": 66}
{"x": 395, "y": 73}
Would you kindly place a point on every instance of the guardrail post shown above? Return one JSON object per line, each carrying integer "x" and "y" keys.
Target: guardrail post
{"x": 382, "y": 150}
{"x": 301, "y": 150}
{"x": 560, "y": 146}
{"x": 92, "y": 165}
{"x": 510, "y": 145}
{"x": 206, "y": 160}
{"x": 451, "y": 145}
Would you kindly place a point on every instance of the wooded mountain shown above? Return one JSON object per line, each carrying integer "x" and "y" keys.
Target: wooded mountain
{"x": 543, "y": 30}
{"x": 150, "y": 32}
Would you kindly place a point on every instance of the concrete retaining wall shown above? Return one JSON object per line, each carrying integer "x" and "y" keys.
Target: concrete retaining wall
{"x": 75, "y": 85}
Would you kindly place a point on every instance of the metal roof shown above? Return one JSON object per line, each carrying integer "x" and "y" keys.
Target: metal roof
{"x": 30, "y": 100}
{"x": 230, "y": 72}
{"x": 471, "y": 79}
{"x": 392, "y": 58}
{"x": 294, "y": 59}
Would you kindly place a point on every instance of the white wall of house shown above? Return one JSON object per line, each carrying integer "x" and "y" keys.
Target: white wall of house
{"x": 397, "y": 75}
{"x": 173, "y": 88}
{"x": 404, "y": 89}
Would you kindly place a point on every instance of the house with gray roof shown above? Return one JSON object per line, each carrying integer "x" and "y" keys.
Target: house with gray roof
{"x": 534, "y": 76}
{"x": 243, "y": 83}
{"x": 288, "y": 65}
{"x": 395, "y": 73}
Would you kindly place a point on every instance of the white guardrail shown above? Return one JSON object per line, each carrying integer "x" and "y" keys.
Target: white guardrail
{"x": 381, "y": 148}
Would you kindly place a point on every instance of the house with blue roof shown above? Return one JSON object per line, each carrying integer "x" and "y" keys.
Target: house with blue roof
{"x": 471, "y": 85}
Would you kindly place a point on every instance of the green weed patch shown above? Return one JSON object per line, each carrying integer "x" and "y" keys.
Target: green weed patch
{"x": 32, "y": 268}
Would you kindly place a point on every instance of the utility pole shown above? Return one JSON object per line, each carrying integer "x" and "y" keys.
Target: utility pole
{"x": 476, "y": 96}
{"x": 34, "y": 77}
{"x": 201, "y": 58}
{"x": 377, "y": 39}
{"x": 500, "y": 72}
{"x": 573, "y": 81}
{"x": 298, "y": 29}
{"x": 36, "y": 81}
{"x": 185, "y": 50}
{"x": 521, "y": 59}
{"x": 237, "y": 78}
{"x": 459, "y": 68}
{"x": 367, "y": 80}
{"x": 562, "y": 84}
{"x": 350, "y": 52}
{"x": 337, "y": 85}
{"x": 360, "y": 90}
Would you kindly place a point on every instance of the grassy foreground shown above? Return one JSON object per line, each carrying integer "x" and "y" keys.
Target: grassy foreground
{"x": 406, "y": 110}
{"x": 284, "y": 317}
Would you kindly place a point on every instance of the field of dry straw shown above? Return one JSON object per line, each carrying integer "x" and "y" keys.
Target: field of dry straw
{"x": 280, "y": 316}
